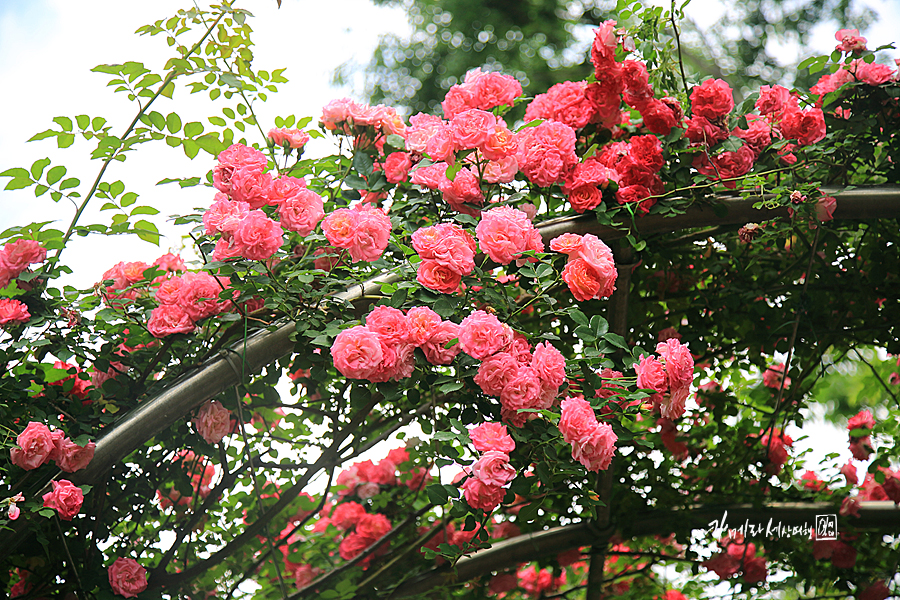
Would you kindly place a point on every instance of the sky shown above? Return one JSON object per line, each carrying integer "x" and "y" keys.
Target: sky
{"x": 47, "y": 48}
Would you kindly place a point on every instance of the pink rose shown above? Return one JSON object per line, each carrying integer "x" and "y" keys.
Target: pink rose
{"x": 251, "y": 185}
{"x": 493, "y": 468}
{"x": 357, "y": 352}
{"x": 224, "y": 215}
{"x": 549, "y": 364}
{"x": 434, "y": 348}
{"x": 597, "y": 451}
{"x": 302, "y": 212}
{"x": 167, "y": 319}
{"x": 493, "y": 89}
{"x": 773, "y": 376}
{"x": 773, "y": 99}
{"x": 16, "y": 256}
{"x": 346, "y": 514}
{"x": 397, "y": 166}
{"x": 849, "y": 472}
{"x": 213, "y": 422}
{"x": 651, "y": 375}
{"x": 825, "y": 207}
{"x": 423, "y": 323}
{"x": 13, "y": 311}
{"x": 71, "y": 457}
{"x": 806, "y": 126}
{"x": 199, "y": 293}
{"x": 499, "y": 145}
{"x": 567, "y": 243}
{"x": 504, "y": 233}
{"x": 364, "y": 231}
{"x": 290, "y": 138}
{"x": 861, "y": 420}
{"x": 495, "y": 371}
{"x": 373, "y": 526}
{"x": 390, "y": 324}
{"x": 430, "y": 176}
{"x": 583, "y": 281}
{"x": 712, "y": 99}
{"x": 701, "y": 131}
{"x": 447, "y": 244}
{"x": 438, "y": 277}
{"x": 481, "y": 495}
{"x": 258, "y": 236}
{"x": 353, "y": 545}
{"x": 492, "y": 436}
{"x": 871, "y": 73}
{"x": 36, "y": 444}
{"x": 284, "y": 188}
{"x": 850, "y": 40}
{"x": 66, "y": 498}
{"x": 335, "y": 113}
{"x": 577, "y": 420}
{"x": 127, "y": 578}
{"x": 464, "y": 189}
{"x": 679, "y": 374}
{"x": 482, "y": 334}
{"x": 523, "y": 390}
{"x": 471, "y": 128}
{"x": 422, "y": 128}
{"x": 546, "y": 152}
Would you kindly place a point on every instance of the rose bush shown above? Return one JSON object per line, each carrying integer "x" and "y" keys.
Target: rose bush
{"x": 405, "y": 287}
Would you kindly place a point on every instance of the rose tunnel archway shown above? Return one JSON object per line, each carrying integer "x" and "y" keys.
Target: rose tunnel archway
{"x": 577, "y": 435}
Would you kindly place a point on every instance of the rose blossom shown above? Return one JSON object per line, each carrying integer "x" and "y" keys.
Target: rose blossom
{"x": 806, "y": 126}
{"x": 597, "y": 451}
{"x": 347, "y": 514}
{"x": 546, "y": 152}
{"x": 292, "y": 138}
{"x": 577, "y": 420}
{"x": 66, "y": 498}
{"x": 438, "y": 277}
{"x": 251, "y": 185}
{"x": 492, "y": 436}
{"x": 397, "y": 166}
{"x": 850, "y": 40}
{"x": 482, "y": 334}
{"x": 213, "y": 421}
{"x": 258, "y": 236}
{"x": 127, "y": 578}
{"x": 712, "y": 99}
{"x": 16, "y": 256}
{"x": 549, "y": 364}
{"x": 36, "y": 444}
{"x": 483, "y": 496}
{"x": 434, "y": 349}
{"x": 495, "y": 371}
{"x": 504, "y": 233}
{"x": 357, "y": 352}
{"x": 71, "y": 457}
{"x": 302, "y": 212}
{"x": 493, "y": 468}
{"x": 13, "y": 311}
{"x": 167, "y": 319}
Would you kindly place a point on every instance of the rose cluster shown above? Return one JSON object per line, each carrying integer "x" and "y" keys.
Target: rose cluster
{"x": 670, "y": 376}
{"x": 245, "y": 189}
{"x": 484, "y": 488}
{"x": 37, "y": 445}
{"x": 776, "y": 444}
{"x": 363, "y": 231}
{"x": 124, "y": 282}
{"x": 509, "y": 369}
{"x": 593, "y": 443}
{"x": 382, "y": 349}
{"x": 590, "y": 271}
{"x": 447, "y": 252}
{"x": 185, "y": 300}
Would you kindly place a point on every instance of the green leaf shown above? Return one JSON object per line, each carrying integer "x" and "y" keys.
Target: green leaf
{"x": 190, "y": 147}
{"x": 193, "y": 129}
{"x": 69, "y": 183}
{"x": 217, "y": 121}
{"x": 37, "y": 168}
{"x": 18, "y": 184}
{"x": 147, "y": 231}
{"x": 64, "y": 122}
{"x": 128, "y": 199}
{"x": 578, "y": 316}
{"x": 97, "y": 123}
{"x": 64, "y": 140}
{"x": 16, "y": 172}
{"x": 173, "y": 123}
{"x": 83, "y": 121}
{"x": 144, "y": 210}
{"x": 437, "y": 495}
{"x": 55, "y": 174}
{"x": 231, "y": 80}
{"x": 157, "y": 120}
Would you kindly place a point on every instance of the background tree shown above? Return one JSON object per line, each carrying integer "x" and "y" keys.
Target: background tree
{"x": 543, "y": 42}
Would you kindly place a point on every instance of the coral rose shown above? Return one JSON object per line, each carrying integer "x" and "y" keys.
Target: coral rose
{"x": 127, "y": 578}
{"x": 66, "y": 498}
